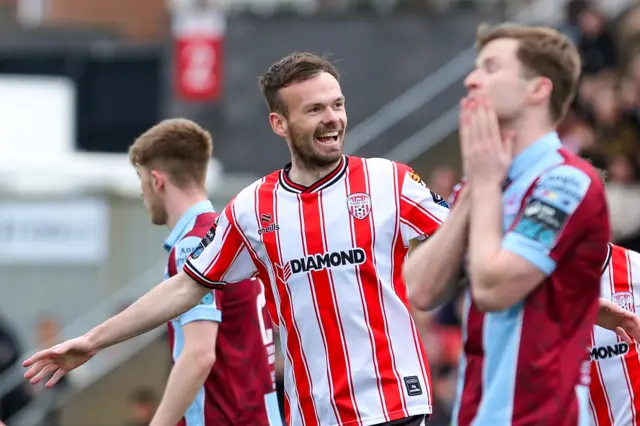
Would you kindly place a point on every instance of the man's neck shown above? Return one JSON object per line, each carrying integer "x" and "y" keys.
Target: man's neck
{"x": 180, "y": 203}
{"x": 527, "y": 132}
{"x": 308, "y": 176}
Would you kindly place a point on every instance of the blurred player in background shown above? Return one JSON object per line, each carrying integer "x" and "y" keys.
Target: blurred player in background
{"x": 329, "y": 234}
{"x": 533, "y": 220}
{"x": 226, "y": 341}
{"x": 615, "y": 361}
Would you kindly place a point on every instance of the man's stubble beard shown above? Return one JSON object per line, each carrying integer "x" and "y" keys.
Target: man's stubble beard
{"x": 303, "y": 149}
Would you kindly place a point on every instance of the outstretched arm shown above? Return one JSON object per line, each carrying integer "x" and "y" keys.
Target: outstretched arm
{"x": 164, "y": 302}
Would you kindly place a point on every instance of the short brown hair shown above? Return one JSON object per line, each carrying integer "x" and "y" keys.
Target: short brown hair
{"x": 291, "y": 69}
{"x": 543, "y": 52}
{"x": 177, "y": 146}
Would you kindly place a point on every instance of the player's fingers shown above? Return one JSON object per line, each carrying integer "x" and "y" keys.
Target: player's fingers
{"x": 44, "y": 354}
{"x": 475, "y": 133}
{"x": 623, "y": 335}
{"x": 45, "y": 372}
{"x": 36, "y": 368}
{"x": 493, "y": 128}
{"x": 484, "y": 126}
{"x": 464, "y": 125}
{"x": 56, "y": 377}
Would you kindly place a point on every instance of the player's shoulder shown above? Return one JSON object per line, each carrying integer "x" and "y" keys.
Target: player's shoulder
{"x": 245, "y": 199}
{"x": 568, "y": 183}
{"x": 377, "y": 166}
{"x": 574, "y": 167}
{"x": 380, "y": 163}
{"x": 202, "y": 223}
{"x": 574, "y": 174}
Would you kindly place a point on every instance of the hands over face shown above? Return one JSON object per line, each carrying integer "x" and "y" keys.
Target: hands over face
{"x": 486, "y": 153}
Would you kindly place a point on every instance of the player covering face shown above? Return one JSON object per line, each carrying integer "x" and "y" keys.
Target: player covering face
{"x": 532, "y": 221}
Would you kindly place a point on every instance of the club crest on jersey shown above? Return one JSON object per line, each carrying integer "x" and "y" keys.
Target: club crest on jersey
{"x": 624, "y": 299}
{"x": 359, "y": 205}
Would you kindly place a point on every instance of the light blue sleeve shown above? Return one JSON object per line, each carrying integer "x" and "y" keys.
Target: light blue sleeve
{"x": 542, "y": 221}
{"x": 209, "y": 307}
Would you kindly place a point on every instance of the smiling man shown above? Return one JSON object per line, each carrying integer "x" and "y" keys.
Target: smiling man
{"x": 327, "y": 235}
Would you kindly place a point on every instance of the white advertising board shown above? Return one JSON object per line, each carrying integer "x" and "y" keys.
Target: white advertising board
{"x": 54, "y": 232}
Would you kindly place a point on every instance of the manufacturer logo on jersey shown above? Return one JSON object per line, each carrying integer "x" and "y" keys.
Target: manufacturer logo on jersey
{"x": 269, "y": 228}
{"x": 624, "y": 299}
{"x": 359, "y": 205}
{"x": 267, "y": 225}
{"x": 318, "y": 262}
{"x": 609, "y": 351}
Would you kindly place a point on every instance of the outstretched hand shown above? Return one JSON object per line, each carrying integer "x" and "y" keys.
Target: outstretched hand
{"x": 58, "y": 360}
{"x": 625, "y": 323}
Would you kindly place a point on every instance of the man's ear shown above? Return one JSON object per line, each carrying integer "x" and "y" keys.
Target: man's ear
{"x": 279, "y": 124}
{"x": 158, "y": 180}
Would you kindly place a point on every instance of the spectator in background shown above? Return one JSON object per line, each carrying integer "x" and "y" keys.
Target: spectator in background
{"x": 143, "y": 403}
{"x": 442, "y": 180}
{"x": 596, "y": 45}
{"x": 571, "y": 27}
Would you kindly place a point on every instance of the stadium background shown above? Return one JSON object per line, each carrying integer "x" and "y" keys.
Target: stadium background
{"x": 79, "y": 80}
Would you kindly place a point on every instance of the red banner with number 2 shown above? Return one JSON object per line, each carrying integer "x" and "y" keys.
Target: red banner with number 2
{"x": 199, "y": 57}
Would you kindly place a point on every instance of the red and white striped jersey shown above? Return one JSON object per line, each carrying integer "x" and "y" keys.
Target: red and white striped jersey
{"x": 332, "y": 256}
{"x": 615, "y": 365}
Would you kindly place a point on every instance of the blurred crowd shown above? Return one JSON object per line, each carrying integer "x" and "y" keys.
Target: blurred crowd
{"x": 603, "y": 124}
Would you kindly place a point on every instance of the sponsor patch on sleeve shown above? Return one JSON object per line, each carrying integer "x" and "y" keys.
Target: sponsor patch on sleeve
{"x": 553, "y": 201}
{"x": 206, "y": 240}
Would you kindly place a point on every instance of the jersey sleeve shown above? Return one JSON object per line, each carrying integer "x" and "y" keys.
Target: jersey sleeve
{"x": 222, "y": 256}
{"x": 421, "y": 210}
{"x": 209, "y": 307}
{"x": 553, "y": 216}
{"x": 455, "y": 192}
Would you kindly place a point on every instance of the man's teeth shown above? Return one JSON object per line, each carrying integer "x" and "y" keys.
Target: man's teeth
{"x": 328, "y": 135}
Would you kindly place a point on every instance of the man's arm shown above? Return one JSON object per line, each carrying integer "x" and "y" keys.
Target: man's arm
{"x": 199, "y": 327}
{"x": 433, "y": 265}
{"x": 503, "y": 271}
{"x": 499, "y": 278}
{"x": 164, "y": 302}
{"x": 189, "y": 372}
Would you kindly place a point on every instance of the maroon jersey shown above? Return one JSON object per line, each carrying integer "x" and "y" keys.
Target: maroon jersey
{"x": 528, "y": 364}
{"x": 240, "y": 390}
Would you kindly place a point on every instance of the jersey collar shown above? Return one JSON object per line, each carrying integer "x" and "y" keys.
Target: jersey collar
{"x": 187, "y": 217}
{"x": 325, "y": 182}
{"x": 533, "y": 153}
